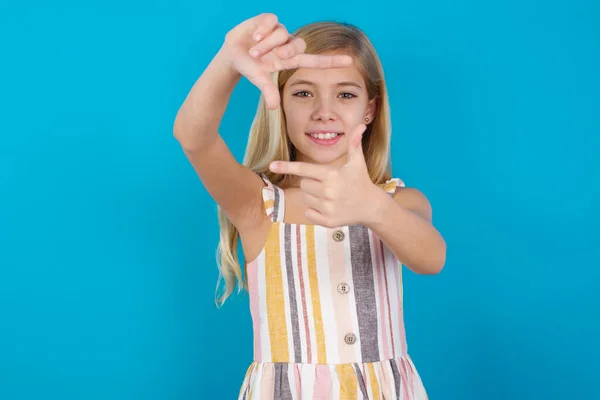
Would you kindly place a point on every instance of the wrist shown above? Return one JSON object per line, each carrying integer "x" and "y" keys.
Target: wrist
{"x": 223, "y": 62}
{"x": 375, "y": 209}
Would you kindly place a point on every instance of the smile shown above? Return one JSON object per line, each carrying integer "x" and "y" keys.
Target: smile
{"x": 325, "y": 138}
{"x": 329, "y": 135}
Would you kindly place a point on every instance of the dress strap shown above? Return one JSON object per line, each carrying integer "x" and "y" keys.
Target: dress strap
{"x": 391, "y": 185}
{"x": 273, "y": 199}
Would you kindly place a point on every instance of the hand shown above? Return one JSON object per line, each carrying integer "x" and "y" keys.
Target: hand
{"x": 261, "y": 45}
{"x": 336, "y": 196}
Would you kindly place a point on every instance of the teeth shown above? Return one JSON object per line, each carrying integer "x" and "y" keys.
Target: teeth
{"x": 325, "y": 136}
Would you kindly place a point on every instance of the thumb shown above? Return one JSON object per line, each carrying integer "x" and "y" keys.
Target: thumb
{"x": 355, "y": 150}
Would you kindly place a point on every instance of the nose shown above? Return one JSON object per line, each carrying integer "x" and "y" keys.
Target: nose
{"x": 324, "y": 110}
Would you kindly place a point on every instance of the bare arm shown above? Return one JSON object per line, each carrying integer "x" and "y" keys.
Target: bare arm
{"x": 254, "y": 49}
{"x": 198, "y": 119}
{"x": 403, "y": 222}
{"x": 339, "y": 196}
{"x": 232, "y": 185}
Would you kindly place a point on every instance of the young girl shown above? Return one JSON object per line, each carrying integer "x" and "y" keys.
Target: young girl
{"x": 324, "y": 227}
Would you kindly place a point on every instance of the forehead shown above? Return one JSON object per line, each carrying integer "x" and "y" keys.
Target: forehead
{"x": 328, "y": 76}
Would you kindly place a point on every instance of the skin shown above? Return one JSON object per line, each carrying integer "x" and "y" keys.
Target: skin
{"x": 334, "y": 195}
{"x": 332, "y": 187}
{"x": 331, "y": 100}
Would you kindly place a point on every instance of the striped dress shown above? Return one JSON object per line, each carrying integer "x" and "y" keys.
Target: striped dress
{"x": 327, "y": 316}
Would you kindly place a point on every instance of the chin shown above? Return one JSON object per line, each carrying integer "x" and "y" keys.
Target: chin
{"x": 323, "y": 157}
{"x": 322, "y": 153}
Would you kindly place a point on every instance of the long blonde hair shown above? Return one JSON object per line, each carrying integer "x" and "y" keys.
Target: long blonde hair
{"x": 268, "y": 140}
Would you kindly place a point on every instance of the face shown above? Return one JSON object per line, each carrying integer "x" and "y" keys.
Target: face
{"x": 322, "y": 107}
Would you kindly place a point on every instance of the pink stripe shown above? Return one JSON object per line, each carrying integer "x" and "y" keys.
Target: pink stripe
{"x": 322, "y": 382}
{"x": 388, "y": 388}
{"x": 252, "y": 270}
{"x": 405, "y": 380}
{"x": 414, "y": 376}
{"x": 297, "y": 379}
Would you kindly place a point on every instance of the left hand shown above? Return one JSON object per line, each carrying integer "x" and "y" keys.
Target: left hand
{"x": 335, "y": 196}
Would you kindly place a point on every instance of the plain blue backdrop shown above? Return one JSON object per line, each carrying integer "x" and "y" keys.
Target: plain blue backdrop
{"x": 107, "y": 237}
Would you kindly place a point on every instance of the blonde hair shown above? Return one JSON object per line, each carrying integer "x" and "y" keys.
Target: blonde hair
{"x": 268, "y": 140}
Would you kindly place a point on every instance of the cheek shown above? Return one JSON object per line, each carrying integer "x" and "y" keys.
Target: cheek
{"x": 296, "y": 120}
{"x": 352, "y": 116}
{"x": 299, "y": 116}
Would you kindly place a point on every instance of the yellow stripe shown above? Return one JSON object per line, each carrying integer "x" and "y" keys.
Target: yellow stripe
{"x": 314, "y": 292}
{"x": 348, "y": 382}
{"x": 275, "y": 301}
{"x": 389, "y": 187}
{"x": 375, "y": 390}
{"x": 269, "y": 204}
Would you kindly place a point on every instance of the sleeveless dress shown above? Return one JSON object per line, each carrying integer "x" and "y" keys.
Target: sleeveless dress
{"x": 326, "y": 307}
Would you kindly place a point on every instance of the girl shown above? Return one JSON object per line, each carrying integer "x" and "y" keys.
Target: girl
{"x": 324, "y": 227}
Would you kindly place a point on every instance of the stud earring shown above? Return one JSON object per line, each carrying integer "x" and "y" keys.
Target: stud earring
{"x": 367, "y": 120}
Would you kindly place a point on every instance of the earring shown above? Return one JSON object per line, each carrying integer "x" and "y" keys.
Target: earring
{"x": 367, "y": 120}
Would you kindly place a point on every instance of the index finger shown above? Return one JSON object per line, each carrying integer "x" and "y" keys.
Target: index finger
{"x": 320, "y": 61}
{"x": 299, "y": 168}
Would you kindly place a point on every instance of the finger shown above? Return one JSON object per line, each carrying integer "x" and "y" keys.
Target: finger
{"x": 271, "y": 95}
{"x": 356, "y": 136}
{"x": 299, "y": 168}
{"x": 312, "y": 186}
{"x": 263, "y": 25}
{"x": 273, "y": 58}
{"x": 267, "y": 87}
{"x": 313, "y": 202}
{"x": 355, "y": 150}
{"x": 294, "y": 46}
{"x": 317, "y": 61}
{"x": 317, "y": 218}
{"x": 274, "y": 39}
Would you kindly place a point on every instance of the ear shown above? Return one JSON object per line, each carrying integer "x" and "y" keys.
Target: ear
{"x": 371, "y": 109}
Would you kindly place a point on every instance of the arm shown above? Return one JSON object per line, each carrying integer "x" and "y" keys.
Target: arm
{"x": 403, "y": 222}
{"x": 234, "y": 187}
{"x": 339, "y": 196}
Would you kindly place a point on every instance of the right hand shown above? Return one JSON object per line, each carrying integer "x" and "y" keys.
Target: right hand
{"x": 261, "y": 45}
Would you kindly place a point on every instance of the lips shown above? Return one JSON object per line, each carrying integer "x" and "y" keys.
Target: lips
{"x": 325, "y": 138}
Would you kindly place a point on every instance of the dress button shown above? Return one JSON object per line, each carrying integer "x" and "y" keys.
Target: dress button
{"x": 338, "y": 236}
{"x": 343, "y": 288}
{"x": 350, "y": 338}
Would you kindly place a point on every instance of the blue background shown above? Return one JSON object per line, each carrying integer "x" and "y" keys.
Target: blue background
{"x": 107, "y": 237}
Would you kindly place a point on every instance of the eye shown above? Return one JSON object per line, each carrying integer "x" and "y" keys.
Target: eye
{"x": 302, "y": 93}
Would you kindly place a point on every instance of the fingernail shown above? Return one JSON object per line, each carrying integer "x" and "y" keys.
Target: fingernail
{"x": 254, "y": 53}
{"x": 274, "y": 165}
{"x": 257, "y": 36}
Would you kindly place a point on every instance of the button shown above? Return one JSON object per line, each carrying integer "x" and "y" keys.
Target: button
{"x": 350, "y": 338}
{"x": 343, "y": 288}
{"x": 338, "y": 236}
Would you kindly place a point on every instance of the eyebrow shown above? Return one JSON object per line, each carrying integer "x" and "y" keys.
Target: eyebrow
{"x": 345, "y": 83}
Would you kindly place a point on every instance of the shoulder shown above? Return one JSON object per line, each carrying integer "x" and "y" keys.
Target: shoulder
{"x": 409, "y": 197}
